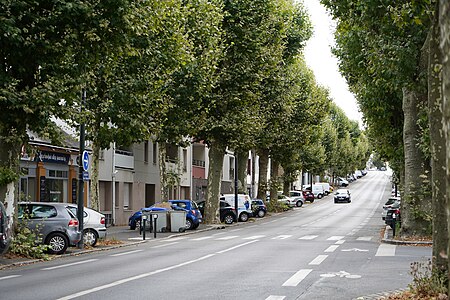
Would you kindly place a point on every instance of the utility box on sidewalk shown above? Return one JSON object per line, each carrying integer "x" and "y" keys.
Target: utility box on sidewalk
{"x": 177, "y": 220}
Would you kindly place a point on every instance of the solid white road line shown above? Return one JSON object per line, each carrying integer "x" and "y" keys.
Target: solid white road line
{"x": 273, "y": 297}
{"x": 297, "y": 277}
{"x": 9, "y": 277}
{"x": 227, "y": 238}
{"x": 318, "y": 260}
{"x": 165, "y": 245}
{"x": 235, "y": 247}
{"x": 69, "y": 265}
{"x": 202, "y": 238}
{"x": 386, "y": 250}
{"x": 126, "y": 253}
{"x": 332, "y": 248}
{"x": 308, "y": 237}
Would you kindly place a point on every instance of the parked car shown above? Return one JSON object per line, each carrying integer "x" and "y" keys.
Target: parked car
{"x": 358, "y": 174}
{"x": 308, "y": 196}
{"x": 93, "y": 225}
{"x": 54, "y": 224}
{"x": 391, "y": 203}
{"x": 298, "y": 197}
{"x": 5, "y": 237}
{"x": 393, "y": 216}
{"x": 342, "y": 195}
{"x": 326, "y": 187}
{"x": 244, "y": 209}
{"x": 291, "y": 202}
{"x": 342, "y": 182}
{"x": 259, "y": 209}
{"x": 193, "y": 214}
{"x": 227, "y": 213}
{"x": 317, "y": 190}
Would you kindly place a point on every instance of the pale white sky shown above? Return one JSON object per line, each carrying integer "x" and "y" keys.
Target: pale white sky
{"x": 324, "y": 64}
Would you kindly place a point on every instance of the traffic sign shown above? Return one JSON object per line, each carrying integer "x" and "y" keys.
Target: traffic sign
{"x": 85, "y": 176}
{"x": 85, "y": 160}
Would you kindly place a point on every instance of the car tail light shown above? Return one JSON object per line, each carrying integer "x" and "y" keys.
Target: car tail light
{"x": 193, "y": 212}
{"x": 73, "y": 222}
{"x": 102, "y": 220}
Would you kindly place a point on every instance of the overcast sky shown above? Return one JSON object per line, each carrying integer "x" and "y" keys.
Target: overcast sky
{"x": 324, "y": 64}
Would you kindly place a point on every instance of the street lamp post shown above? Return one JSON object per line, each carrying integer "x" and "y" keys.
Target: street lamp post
{"x": 80, "y": 204}
{"x": 236, "y": 185}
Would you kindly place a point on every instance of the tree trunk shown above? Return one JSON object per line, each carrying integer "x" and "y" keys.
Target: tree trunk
{"x": 9, "y": 175}
{"x": 163, "y": 171}
{"x": 95, "y": 192}
{"x": 263, "y": 165}
{"x": 274, "y": 179}
{"x": 444, "y": 21}
{"x": 437, "y": 147}
{"x": 242, "y": 157}
{"x": 416, "y": 205}
{"x": 216, "y": 155}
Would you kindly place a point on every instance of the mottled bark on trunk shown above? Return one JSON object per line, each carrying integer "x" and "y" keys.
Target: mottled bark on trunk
{"x": 163, "y": 172}
{"x": 444, "y": 22}
{"x": 263, "y": 166}
{"x": 95, "y": 192}
{"x": 437, "y": 147}
{"x": 416, "y": 204}
{"x": 274, "y": 180}
{"x": 216, "y": 155}
{"x": 9, "y": 162}
{"x": 242, "y": 159}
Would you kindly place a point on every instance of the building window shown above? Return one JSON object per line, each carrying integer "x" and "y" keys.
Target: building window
{"x": 231, "y": 167}
{"x": 155, "y": 153}
{"x": 184, "y": 160}
{"x": 56, "y": 186}
{"x": 127, "y": 190}
{"x": 146, "y": 151}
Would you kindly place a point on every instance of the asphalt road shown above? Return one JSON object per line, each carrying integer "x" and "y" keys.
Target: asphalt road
{"x": 319, "y": 251}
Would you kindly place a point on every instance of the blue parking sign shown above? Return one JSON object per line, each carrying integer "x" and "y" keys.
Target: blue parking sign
{"x": 85, "y": 160}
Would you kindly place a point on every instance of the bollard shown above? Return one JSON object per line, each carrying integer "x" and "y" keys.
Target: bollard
{"x": 155, "y": 217}
{"x": 394, "y": 220}
{"x": 143, "y": 221}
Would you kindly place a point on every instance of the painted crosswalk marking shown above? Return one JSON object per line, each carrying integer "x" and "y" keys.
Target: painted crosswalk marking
{"x": 281, "y": 237}
{"x": 230, "y": 237}
{"x": 332, "y": 248}
{"x": 297, "y": 277}
{"x": 273, "y": 297}
{"x": 364, "y": 238}
{"x": 335, "y": 238}
{"x": 308, "y": 237}
{"x": 318, "y": 260}
{"x": 386, "y": 250}
{"x": 340, "y": 242}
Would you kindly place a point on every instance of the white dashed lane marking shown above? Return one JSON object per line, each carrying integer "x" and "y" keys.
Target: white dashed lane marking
{"x": 308, "y": 237}
{"x": 318, "y": 260}
{"x": 297, "y": 277}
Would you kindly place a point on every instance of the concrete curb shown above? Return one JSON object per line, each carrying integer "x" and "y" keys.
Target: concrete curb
{"x": 388, "y": 240}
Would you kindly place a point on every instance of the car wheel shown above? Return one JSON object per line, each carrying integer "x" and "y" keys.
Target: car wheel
{"x": 57, "y": 243}
{"x": 90, "y": 237}
{"x": 312, "y": 200}
{"x": 133, "y": 226}
{"x": 261, "y": 213}
{"x": 319, "y": 196}
{"x": 299, "y": 203}
{"x": 189, "y": 224}
{"x": 243, "y": 217}
{"x": 196, "y": 226}
{"x": 228, "y": 219}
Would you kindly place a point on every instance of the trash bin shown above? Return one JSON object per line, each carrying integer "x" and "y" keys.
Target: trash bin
{"x": 177, "y": 220}
{"x": 161, "y": 222}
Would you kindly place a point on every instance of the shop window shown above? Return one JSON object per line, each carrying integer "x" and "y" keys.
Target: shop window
{"x": 127, "y": 190}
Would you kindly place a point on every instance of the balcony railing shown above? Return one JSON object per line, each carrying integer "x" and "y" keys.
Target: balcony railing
{"x": 198, "y": 163}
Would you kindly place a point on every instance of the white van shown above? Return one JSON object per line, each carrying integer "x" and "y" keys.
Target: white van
{"x": 326, "y": 187}
{"x": 244, "y": 205}
{"x": 317, "y": 190}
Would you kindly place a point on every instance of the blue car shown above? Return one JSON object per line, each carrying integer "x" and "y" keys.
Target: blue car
{"x": 193, "y": 215}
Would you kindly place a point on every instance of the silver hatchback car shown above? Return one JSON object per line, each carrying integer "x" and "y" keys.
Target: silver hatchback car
{"x": 93, "y": 225}
{"x": 55, "y": 225}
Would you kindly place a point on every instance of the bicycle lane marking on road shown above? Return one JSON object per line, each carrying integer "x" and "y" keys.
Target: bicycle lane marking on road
{"x": 144, "y": 275}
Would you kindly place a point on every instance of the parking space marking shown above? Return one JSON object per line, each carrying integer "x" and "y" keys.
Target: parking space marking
{"x": 225, "y": 238}
{"x": 9, "y": 277}
{"x": 386, "y": 250}
{"x": 335, "y": 238}
{"x": 273, "y": 297}
{"x": 126, "y": 253}
{"x": 332, "y": 248}
{"x": 308, "y": 237}
{"x": 297, "y": 277}
{"x": 70, "y": 265}
{"x": 281, "y": 237}
{"x": 318, "y": 260}
{"x": 165, "y": 245}
{"x": 364, "y": 238}
{"x": 255, "y": 237}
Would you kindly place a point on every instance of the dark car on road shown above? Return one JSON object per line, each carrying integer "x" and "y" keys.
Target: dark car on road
{"x": 227, "y": 213}
{"x": 259, "y": 209}
{"x": 54, "y": 224}
{"x": 5, "y": 237}
{"x": 193, "y": 215}
{"x": 342, "y": 195}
